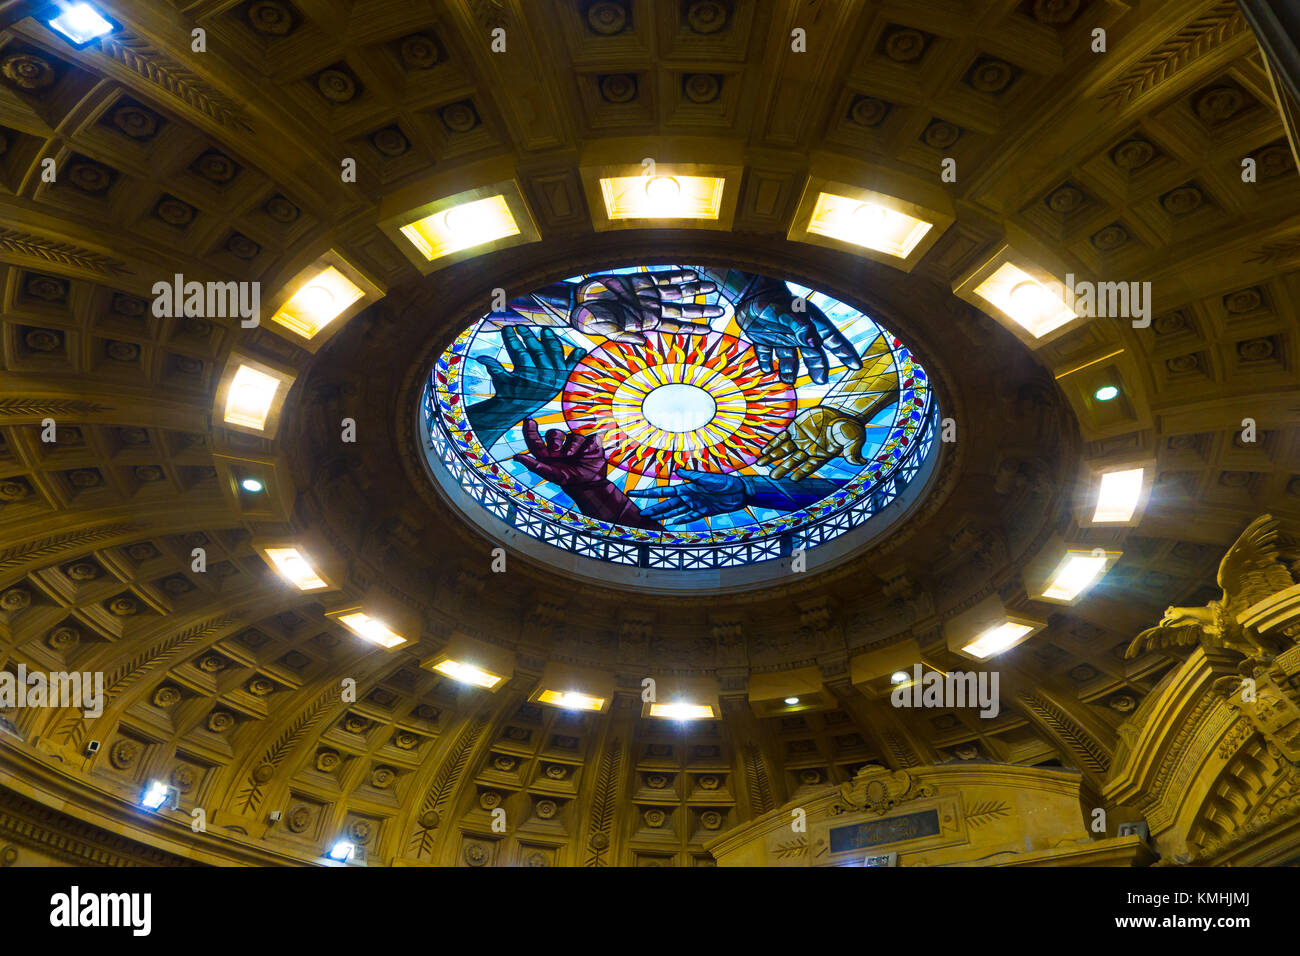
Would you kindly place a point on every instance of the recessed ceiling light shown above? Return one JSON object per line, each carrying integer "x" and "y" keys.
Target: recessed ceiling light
{"x": 1105, "y": 393}
{"x": 663, "y": 189}
{"x": 370, "y": 629}
{"x": 680, "y": 711}
{"x": 295, "y": 569}
{"x": 250, "y": 397}
{"x": 997, "y": 639}
{"x": 318, "y": 302}
{"x": 867, "y": 224}
{"x": 663, "y": 197}
{"x": 1074, "y": 575}
{"x": 462, "y": 227}
{"x": 792, "y": 701}
{"x": 571, "y": 700}
{"x": 1028, "y": 302}
{"x": 467, "y": 674}
{"x": 1118, "y": 495}
{"x": 251, "y": 485}
{"x": 899, "y": 677}
{"x": 80, "y": 23}
{"x": 342, "y": 851}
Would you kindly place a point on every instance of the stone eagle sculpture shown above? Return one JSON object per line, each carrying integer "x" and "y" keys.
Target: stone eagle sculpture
{"x": 1250, "y": 572}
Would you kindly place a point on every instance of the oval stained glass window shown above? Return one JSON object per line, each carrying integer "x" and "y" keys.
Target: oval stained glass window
{"x": 678, "y": 417}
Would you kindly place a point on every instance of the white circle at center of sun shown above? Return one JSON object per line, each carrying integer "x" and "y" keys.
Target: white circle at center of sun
{"x": 678, "y": 407}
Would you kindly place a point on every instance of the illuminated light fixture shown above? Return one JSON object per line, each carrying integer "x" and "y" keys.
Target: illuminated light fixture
{"x": 988, "y": 629}
{"x": 574, "y": 687}
{"x": 251, "y": 485}
{"x": 571, "y": 700}
{"x": 342, "y": 851}
{"x": 663, "y": 189}
{"x": 1061, "y": 573}
{"x": 467, "y": 674}
{"x": 997, "y": 639}
{"x": 867, "y": 224}
{"x": 250, "y": 398}
{"x": 1076, "y": 574}
{"x": 1105, "y": 393}
{"x": 896, "y": 221}
{"x": 462, "y": 227}
{"x": 80, "y": 23}
{"x": 318, "y": 302}
{"x": 1028, "y": 302}
{"x": 682, "y": 711}
{"x": 370, "y": 629}
{"x": 662, "y": 197}
{"x": 792, "y": 701}
{"x": 1118, "y": 495}
{"x": 898, "y": 677}
{"x": 295, "y": 569}
{"x": 155, "y": 796}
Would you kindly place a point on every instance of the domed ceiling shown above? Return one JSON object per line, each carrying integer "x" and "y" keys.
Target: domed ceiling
{"x": 703, "y": 391}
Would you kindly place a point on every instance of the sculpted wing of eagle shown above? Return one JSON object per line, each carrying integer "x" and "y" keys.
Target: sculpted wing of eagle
{"x": 1251, "y": 570}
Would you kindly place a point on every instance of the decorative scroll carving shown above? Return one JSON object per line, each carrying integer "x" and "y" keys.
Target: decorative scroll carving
{"x": 1082, "y": 745}
{"x": 1193, "y": 41}
{"x": 141, "y": 58}
{"x": 137, "y": 667}
{"x": 604, "y": 803}
{"x": 45, "y": 547}
{"x": 760, "y": 787}
{"x": 875, "y": 789}
{"x": 62, "y": 253}
{"x": 250, "y": 797}
{"x": 444, "y": 784}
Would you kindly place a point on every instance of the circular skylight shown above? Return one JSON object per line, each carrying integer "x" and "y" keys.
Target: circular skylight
{"x": 676, "y": 417}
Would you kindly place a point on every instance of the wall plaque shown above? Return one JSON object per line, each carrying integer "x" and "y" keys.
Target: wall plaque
{"x": 909, "y": 826}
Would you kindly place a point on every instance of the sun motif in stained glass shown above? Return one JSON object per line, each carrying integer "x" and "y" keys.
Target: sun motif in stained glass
{"x": 679, "y": 401}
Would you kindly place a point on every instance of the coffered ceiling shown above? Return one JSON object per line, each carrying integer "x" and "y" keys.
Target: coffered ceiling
{"x": 227, "y": 163}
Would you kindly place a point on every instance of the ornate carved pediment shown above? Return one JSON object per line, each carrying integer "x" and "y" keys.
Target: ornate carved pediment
{"x": 879, "y": 791}
{"x": 1269, "y": 699}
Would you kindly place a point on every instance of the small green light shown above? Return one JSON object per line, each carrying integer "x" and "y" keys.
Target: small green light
{"x": 1106, "y": 393}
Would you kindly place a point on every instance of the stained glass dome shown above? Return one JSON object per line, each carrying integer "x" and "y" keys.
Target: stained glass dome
{"x": 677, "y": 417}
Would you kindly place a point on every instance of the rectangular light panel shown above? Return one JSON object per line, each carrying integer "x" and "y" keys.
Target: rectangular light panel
{"x": 462, "y": 227}
{"x": 249, "y": 400}
{"x": 318, "y": 302}
{"x": 1030, "y": 303}
{"x": 81, "y": 23}
{"x": 370, "y": 629}
{"x": 1074, "y": 575}
{"x": 467, "y": 674}
{"x": 1118, "y": 496}
{"x": 867, "y": 224}
{"x": 295, "y": 569}
{"x": 997, "y": 639}
{"x": 570, "y": 700}
{"x": 663, "y": 197}
{"x": 682, "y": 711}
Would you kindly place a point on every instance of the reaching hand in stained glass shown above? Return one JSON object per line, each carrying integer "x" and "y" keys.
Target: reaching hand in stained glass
{"x": 771, "y": 320}
{"x": 815, "y": 437}
{"x": 540, "y": 369}
{"x": 577, "y": 464}
{"x": 623, "y": 307}
{"x": 705, "y": 493}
